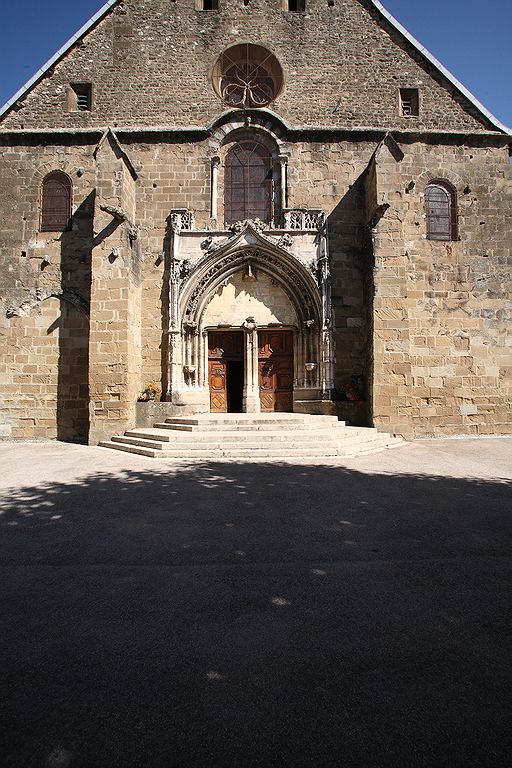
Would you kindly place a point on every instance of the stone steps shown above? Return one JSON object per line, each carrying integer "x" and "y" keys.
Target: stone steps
{"x": 215, "y": 445}
{"x": 239, "y": 436}
{"x": 247, "y": 436}
{"x": 265, "y": 422}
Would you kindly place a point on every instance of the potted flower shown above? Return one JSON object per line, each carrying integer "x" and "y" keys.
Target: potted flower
{"x": 351, "y": 392}
{"x": 150, "y": 392}
{"x": 350, "y": 404}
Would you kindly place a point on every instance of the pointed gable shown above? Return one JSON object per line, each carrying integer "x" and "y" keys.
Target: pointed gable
{"x": 346, "y": 66}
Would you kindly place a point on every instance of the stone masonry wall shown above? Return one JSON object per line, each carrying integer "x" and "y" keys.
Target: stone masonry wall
{"x": 150, "y": 64}
{"x": 43, "y": 373}
{"x": 442, "y": 310}
{"x": 320, "y": 175}
{"x": 43, "y": 344}
{"x": 439, "y": 316}
{"x": 114, "y": 350}
{"x": 430, "y": 277}
{"x": 239, "y": 299}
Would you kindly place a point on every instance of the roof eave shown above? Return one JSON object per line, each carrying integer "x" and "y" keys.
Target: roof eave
{"x": 378, "y": 5}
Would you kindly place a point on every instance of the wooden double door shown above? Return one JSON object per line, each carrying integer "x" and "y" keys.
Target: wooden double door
{"x": 227, "y": 370}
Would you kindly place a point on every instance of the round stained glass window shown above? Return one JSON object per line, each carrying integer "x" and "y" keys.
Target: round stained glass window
{"x": 247, "y": 76}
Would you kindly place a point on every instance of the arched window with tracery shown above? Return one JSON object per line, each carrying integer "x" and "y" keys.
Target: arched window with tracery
{"x": 56, "y": 202}
{"x": 441, "y": 211}
{"x": 248, "y": 183}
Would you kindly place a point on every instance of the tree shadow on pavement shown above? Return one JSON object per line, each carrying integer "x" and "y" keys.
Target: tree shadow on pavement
{"x": 265, "y": 615}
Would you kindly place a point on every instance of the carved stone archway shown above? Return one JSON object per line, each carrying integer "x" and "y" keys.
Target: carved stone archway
{"x": 247, "y": 254}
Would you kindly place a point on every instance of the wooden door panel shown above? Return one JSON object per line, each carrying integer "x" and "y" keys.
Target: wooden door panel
{"x": 284, "y": 374}
{"x": 267, "y": 385}
{"x": 217, "y": 380}
{"x": 275, "y": 369}
{"x": 225, "y": 344}
{"x": 275, "y": 343}
{"x": 283, "y": 383}
{"x": 267, "y": 402}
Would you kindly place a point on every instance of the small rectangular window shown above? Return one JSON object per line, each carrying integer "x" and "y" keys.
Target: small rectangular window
{"x": 80, "y": 97}
{"x": 409, "y": 102}
{"x": 296, "y": 6}
{"x": 209, "y": 5}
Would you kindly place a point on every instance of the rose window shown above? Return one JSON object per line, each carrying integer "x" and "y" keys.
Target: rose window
{"x": 247, "y": 76}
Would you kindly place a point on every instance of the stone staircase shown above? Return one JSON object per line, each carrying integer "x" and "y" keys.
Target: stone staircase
{"x": 252, "y": 436}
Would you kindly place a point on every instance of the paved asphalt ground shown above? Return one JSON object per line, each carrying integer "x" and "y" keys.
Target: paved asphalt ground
{"x": 344, "y": 614}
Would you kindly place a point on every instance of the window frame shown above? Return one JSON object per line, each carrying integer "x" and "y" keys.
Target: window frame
{"x": 269, "y": 184}
{"x": 412, "y": 95}
{"x": 433, "y": 231}
{"x": 60, "y": 216}
{"x": 230, "y": 75}
{"x": 300, "y": 6}
{"x": 77, "y": 91}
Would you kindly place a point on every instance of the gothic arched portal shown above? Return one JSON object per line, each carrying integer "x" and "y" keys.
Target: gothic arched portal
{"x": 251, "y": 316}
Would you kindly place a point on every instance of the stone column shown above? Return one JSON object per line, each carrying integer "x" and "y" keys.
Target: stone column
{"x": 215, "y": 186}
{"x": 204, "y": 357}
{"x": 195, "y": 359}
{"x": 174, "y": 361}
{"x": 283, "y": 164}
{"x": 328, "y": 358}
{"x": 251, "y": 395}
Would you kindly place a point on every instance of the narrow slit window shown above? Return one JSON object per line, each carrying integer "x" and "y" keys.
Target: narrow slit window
{"x": 409, "y": 102}
{"x": 441, "y": 211}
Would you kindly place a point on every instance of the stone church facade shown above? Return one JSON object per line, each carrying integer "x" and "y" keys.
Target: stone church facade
{"x": 268, "y": 205}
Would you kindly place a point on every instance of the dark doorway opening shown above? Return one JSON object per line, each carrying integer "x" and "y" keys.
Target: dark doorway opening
{"x": 235, "y": 385}
{"x": 226, "y": 371}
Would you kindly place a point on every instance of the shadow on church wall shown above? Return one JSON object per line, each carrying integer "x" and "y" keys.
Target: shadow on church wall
{"x": 352, "y": 295}
{"x": 73, "y": 323}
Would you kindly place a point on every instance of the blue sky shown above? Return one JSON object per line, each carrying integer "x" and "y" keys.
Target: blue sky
{"x": 470, "y": 37}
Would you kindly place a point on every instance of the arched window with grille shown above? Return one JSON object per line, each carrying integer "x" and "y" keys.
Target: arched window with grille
{"x": 248, "y": 183}
{"x": 441, "y": 211}
{"x": 56, "y": 202}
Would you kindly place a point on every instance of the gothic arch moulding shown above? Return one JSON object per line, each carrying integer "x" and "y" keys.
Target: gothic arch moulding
{"x": 264, "y": 125}
{"x": 292, "y": 277}
{"x": 447, "y": 175}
